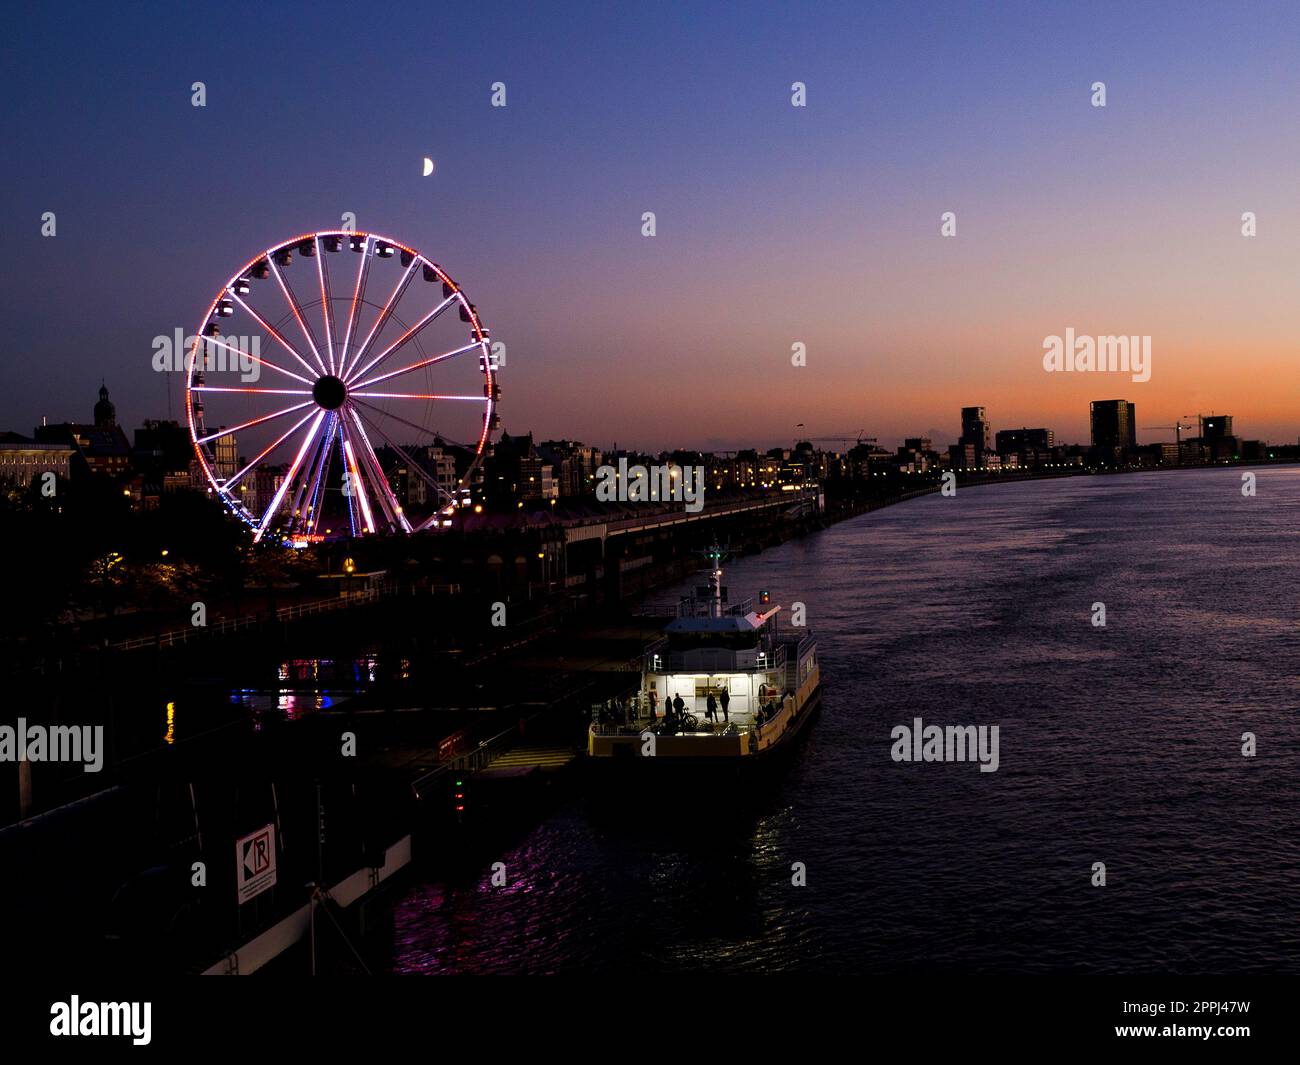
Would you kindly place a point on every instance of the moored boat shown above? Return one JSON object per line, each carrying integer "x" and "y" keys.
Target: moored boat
{"x": 725, "y": 683}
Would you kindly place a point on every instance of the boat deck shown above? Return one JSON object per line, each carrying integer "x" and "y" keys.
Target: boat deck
{"x": 742, "y": 719}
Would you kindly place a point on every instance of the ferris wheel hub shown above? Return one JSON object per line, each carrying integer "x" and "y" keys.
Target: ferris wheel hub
{"x": 329, "y": 392}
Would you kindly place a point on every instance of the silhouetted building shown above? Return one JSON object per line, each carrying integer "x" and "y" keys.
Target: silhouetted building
{"x": 1014, "y": 441}
{"x": 975, "y": 429}
{"x": 99, "y": 448}
{"x": 963, "y": 456}
{"x": 574, "y": 466}
{"x": 105, "y": 412}
{"x": 1216, "y": 426}
{"x": 259, "y": 488}
{"x": 1216, "y": 436}
{"x": 162, "y": 447}
{"x": 1113, "y": 423}
{"x": 516, "y": 473}
{"x": 425, "y": 477}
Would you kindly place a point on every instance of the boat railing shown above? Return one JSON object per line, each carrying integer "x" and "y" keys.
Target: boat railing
{"x": 768, "y": 656}
{"x": 616, "y": 729}
{"x": 658, "y": 728}
{"x": 689, "y": 607}
{"x": 696, "y": 607}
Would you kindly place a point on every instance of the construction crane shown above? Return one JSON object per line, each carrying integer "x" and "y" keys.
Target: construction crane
{"x": 1177, "y": 427}
{"x": 859, "y": 439}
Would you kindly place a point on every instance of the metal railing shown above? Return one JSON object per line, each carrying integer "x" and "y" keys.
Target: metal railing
{"x": 172, "y": 637}
{"x": 468, "y": 761}
{"x": 658, "y": 728}
{"x": 687, "y": 607}
{"x": 769, "y": 656}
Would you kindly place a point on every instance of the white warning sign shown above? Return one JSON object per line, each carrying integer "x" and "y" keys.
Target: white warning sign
{"x": 255, "y": 863}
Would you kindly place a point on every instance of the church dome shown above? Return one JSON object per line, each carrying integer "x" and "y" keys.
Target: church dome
{"x": 105, "y": 412}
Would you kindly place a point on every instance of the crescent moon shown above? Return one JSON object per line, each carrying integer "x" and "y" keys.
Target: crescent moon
{"x": 428, "y": 166}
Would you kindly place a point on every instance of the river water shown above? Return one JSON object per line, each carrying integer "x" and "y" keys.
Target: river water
{"x": 1119, "y": 745}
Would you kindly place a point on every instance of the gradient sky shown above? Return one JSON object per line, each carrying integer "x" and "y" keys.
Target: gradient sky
{"x": 775, "y": 224}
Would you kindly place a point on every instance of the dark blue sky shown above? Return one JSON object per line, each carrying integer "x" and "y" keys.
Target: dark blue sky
{"x": 775, "y": 224}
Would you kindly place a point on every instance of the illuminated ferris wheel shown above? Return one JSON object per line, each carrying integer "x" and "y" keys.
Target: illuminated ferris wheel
{"x": 318, "y": 413}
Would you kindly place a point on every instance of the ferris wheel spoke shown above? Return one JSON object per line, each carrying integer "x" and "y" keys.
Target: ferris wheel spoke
{"x": 362, "y": 453}
{"x": 422, "y": 429}
{"x": 323, "y": 479}
{"x": 253, "y": 391}
{"x": 289, "y": 478}
{"x": 348, "y": 493}
{"x": 296, "y": 307}
{"x": 355, "y": 480}
{"x": 260, "y": 361}
{"x": 417, "y": 395}
{"x": 256, "y": 421}
{"x": 417, "y": 365}
{"x": 383, "y": 491}
{"x": 230, "y": 482}
{"x": 405, "y": 338}
{"x": 414, "y": 466}
{"x": 363, "y": 271}
{"x": 326, "y": 302}
{"x": 384, "y": 315}
{"x": 311, "y": 470}
{"x": 279, "y": 337}
{"x": 317, "y": 472}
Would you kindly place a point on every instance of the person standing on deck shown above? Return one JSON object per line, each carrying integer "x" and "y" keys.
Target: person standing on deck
{"x": 710, "y": 707}
{"x": 724, "y": 698}
{"x": 678, "y": 705}
{"x": 654, "y": 701}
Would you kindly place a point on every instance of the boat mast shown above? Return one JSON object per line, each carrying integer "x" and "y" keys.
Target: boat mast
{"x": 715, "y": 581}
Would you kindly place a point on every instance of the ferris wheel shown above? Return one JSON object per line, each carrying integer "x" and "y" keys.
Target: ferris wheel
{"x": 318, "y": 412}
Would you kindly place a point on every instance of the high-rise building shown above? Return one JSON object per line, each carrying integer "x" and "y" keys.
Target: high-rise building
{"x": 1216, "y": 426}
{"x": 225, "y": 456}
{"x": 975, "y": 429}
{"x": 1216, "y": 436}
{"x": 1113, "y": 423}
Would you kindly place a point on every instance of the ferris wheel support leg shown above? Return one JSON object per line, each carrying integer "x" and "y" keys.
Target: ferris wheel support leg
{"x": 389, "y": 502}
{"x": 293, "y": 472}
{"x": 356, "y": 481}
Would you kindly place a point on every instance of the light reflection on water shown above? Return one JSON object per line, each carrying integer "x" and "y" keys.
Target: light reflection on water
{"x": 1119, "y": 744}
{"x": 305, "y": 686}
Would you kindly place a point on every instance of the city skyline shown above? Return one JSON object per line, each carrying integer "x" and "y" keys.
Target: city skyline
{"x": 976, "y": 429}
